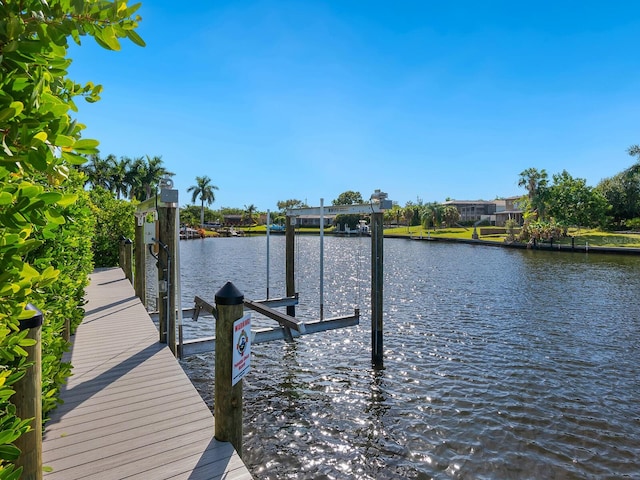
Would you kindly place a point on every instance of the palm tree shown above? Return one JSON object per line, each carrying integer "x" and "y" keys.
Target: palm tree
{"x": 119, "y": 176}
{"x": 154, "y": 173}
{"x": 408, "y": 215}
{"x": 134, "y": 178}
{"x": 98, "y": 171}
{"x": 535, "y": 181}
{"x": 145, "y": 175}
{"x": 204, "y": 190}
{"x": 249, "y": 212}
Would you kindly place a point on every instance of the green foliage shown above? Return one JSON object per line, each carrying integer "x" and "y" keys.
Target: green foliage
{"x": 231, "y": 211}
{"x": 67, "y": 248}
{"x": 349, "y": 220}
{"x": 450, "y": 215}
{"x": 284, "y": 205}
{"x": 633, "y": 223}
{"x": 571, "y": 202}
{"x": 114, "y": 219}
{"x": 535, "y": 181}
{"x": 622, "y": 192}
{"x": 432, "y": 215}
{"x": 541, "y": 230}
{"x": 348, "y": 198}
{"x": 511, "y": 228}
{"x": 43, "y": 232}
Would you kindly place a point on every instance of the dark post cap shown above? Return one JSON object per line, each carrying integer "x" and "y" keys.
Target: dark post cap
{"x": 229, "y": 295}
{"x": 33, "y": 322}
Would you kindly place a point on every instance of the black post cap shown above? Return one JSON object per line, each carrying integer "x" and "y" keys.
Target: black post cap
{"x": 33, "y": 322}
{"x": 229, "y": 295}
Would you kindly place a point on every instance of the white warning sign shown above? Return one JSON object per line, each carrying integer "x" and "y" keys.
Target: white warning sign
{"x": 241, "y": 348}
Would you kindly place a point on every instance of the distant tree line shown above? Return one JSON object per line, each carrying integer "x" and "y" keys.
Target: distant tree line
{"x": 552, "y": 207}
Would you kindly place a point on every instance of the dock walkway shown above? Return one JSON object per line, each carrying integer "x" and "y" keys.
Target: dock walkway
{"x": 129, "y": 409}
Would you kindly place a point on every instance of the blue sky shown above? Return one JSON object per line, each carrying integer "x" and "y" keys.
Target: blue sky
{"x": 422, "y": 99}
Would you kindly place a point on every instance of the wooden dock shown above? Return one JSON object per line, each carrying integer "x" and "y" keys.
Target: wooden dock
{"x": 129, "y": 409}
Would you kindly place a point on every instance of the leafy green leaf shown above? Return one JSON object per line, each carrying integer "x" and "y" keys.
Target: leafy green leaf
{"x": 86, "y": 145}
{"x": 7, "y": 114}
{"x": 135, "y": 38}
{"x": 5, "y": 198}
{"x": 50, "y": 197}
{"x": 73, "y": 159}
{"x": 9, "y": 452}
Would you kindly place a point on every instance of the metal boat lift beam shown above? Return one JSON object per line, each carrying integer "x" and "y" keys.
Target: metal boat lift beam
{"x": 282, "y": 318}
{"x": 201, "y": 305}
{"x": 263, "y": 335}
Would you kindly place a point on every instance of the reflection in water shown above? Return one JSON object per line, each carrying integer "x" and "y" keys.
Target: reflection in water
{"x": 498, "y": 363}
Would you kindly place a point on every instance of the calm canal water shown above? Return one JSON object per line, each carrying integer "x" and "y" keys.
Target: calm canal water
{"x": 499, "y": 363}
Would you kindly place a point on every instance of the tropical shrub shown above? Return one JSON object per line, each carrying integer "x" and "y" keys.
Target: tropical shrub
{"x": 541, "y": 231}
{"x": 39, "y": 141}
{"x": 114, "y": 219}
{"x": 67, "y": 248}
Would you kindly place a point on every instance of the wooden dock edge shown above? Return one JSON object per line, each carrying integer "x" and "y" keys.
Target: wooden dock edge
{"x": 129, "y": 409}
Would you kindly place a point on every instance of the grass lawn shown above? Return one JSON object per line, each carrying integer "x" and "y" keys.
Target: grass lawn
{"x": 596, "y": 238}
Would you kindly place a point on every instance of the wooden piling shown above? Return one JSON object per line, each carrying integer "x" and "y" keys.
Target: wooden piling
{"x": 167, "y": 256}
{"x": 128, "y": 260}
{"x": 227, "y": 397}
{"x": 124, "y": 257}
{"x": 140, "y": 267}
{"x": 377, "y": 281}
{"x": 290, "y": 255}
{"x": 28, "y": 402}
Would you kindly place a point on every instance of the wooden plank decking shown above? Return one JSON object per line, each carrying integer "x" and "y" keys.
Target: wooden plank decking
{"x": 129, "y": 409}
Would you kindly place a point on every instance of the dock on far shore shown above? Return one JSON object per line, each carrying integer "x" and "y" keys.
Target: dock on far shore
{"x": 129, "y": 409}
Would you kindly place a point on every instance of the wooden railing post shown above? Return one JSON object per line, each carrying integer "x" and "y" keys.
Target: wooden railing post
{"x": 140, "y": 267}
{"x": 125, "y": 254}
{"x": 28, "y": 402}
{"x": 128, "y": 260}
{"x": 227, "y": 397}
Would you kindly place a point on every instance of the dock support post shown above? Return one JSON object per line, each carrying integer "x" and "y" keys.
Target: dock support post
{"x": 140, "y": 267}
{"x": 290, "y": 270}
{"x": 167, "y": 310}
{"x": 377, "y": 278}
{"x": 126, "y": 247}
{"x": 28, "y": 402}
{"x": 227, "y": 397}
{"x": 290, "y": 256}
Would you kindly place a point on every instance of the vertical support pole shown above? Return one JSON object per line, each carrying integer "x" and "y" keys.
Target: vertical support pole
{"x": 227, "y": 398}
{"x": 140, "y": 267}
{"x": 322, "y": 259}
{"x": 290, "y": 262}
{"x": 28, "y": 402}
{"x": 121, "y": 253}
{"x": 127, "y": 259}
{"x": 268, "y": 229}
{"x": 377, "y": 277}
{"x": 167, "y": 234}
{"x": 162, "y": 276}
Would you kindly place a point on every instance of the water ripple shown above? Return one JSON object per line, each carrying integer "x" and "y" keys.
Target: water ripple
{"x": 498, "y": 363}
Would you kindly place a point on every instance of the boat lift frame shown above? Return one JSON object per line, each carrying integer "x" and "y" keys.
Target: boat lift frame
{"x": 291, "y": 327}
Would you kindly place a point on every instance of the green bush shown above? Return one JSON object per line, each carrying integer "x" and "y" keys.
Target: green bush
{"x": 67, "y": 248}
{"x": 114, "y": 219}
{"x": 43, "y": 232}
